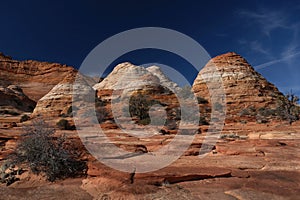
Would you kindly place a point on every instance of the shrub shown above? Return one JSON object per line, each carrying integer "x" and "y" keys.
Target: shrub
{"x": 203, "y": 121}
{"x": 201, "y": 100}
{"x": 139, "y": 106}
{"x": 24, "y": 118}
{"x": 243, "y": 121}
{"x": 100, "y": 102}
{"x": 232, "y": 136}
{"x": 101, "y": 111}
{"x": 266, "y": 112}
{"x": 46, "y": 154}
{"x": 69, "y": 112}
{"x": 245, "y": 112}
{"x": 288, "y": 108}
{"x": 101, "y": 114}
{"x": 9, "y": 112}
{"x": 261, "y": 120}
{"x": 171, "y": 124}
{"x": 64, "y": 124}
{"x": 145, "y": 121}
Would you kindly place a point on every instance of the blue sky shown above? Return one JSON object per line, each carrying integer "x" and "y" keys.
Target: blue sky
{"x": 266, "y": 33}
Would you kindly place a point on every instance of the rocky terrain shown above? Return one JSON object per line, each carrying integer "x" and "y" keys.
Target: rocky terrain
{"x": 129, "y": 76}
{"x": 251, "y": 162}
{"x": 58, "y": 100}
{"x": 12, "y": 97}
{"x": 35, "y": 78}
{"x": 245, "y": 89}
{"x": 46, "y": 85}
{"x": 252, "y": 158}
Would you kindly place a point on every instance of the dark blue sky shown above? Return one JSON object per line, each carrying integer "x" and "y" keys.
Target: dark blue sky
{"x": 266, "y": 33}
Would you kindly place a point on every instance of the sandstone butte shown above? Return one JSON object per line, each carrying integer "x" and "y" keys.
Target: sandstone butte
{"x": 35, "y": 78}
{"x": 127, "y": 75}
{"x": 127, "y": 78}
{"x": 250, "y": 160}
{"x": 58, "y": 100}
{"x": 49, "y": 85}
{"x": 244, "y": 88}
{"x": 124, "y": 76}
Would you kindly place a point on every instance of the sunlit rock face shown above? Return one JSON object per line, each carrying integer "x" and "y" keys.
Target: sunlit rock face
{"x": 58, "y": 101}
{"x": 244, "y": 88}
{"x": 35, "y": 78}
{"x": 49, "y": 86}
{"x": 130, "y": 77}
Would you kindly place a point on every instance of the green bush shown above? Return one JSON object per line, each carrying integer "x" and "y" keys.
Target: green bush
{"x": 232, "y": 136}
{"x": 139, "y": 106}
{"x": 145, "y": 121}
{"x": 288, "y": 108}
{"x": 24, "y": 118}
{"x": 266, "y": 112}
{"x": 9, "y": 112}
{"x": 64, "y": 124}
{"x": 100, "y": 102}
{"x": 201, "y": 100}
{"x": 245, "y": 112}
{"x": 102, "y": 114}
{"x": 69, "y": 112}
{"x": 203, "y": 121}
{"x": 46, "y": 154}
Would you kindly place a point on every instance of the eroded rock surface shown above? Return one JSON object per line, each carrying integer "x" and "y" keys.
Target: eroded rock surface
{"x": 58, "y": 101}
{"x": 34, "y": 77}
{"x": 244, "y": 88}
{"x": 12, "y": 97}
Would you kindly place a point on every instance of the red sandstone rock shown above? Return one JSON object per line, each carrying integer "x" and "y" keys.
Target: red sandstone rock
{"x": 12, "y": 97}
{"x": 34, "y": 77}
{"x": 262, "y": 165}
{"x": 58, "y": 101}
{"x": 244, "y": 88}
